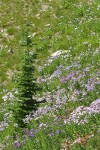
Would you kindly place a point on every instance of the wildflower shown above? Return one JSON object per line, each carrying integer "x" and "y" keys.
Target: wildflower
{"x": 5, "y": 98}
{"x": 15, "y": 125}
{"x": 84, "y": 93}
{"x": 76, "y": 92}
{"x": 63, "y": 79}
{"x": 24, "y": 136}
{"x": 17, "y": 144}
{"x": 51, "y": 134}
{"x": 1, "y": 129}
{"x": 69, "y": 76}
{"x": 56, "y": 73}
{"x": 89, "y": 87}
{"x": 58, "y": 102}
{"x": 26, "y": 131}
{"x": 31, "y": 134}
{"x": 57, "y": 131}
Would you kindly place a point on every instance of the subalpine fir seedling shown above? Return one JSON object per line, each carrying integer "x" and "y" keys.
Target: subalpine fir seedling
{"x": 25, "y": 83}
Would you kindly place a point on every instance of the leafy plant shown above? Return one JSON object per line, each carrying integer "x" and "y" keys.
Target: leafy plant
{"x": 26, "y": 86}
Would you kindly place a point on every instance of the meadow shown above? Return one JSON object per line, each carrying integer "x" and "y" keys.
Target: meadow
{"x": 65, "y": 35}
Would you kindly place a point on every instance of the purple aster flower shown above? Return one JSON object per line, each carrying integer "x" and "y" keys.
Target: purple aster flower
{"x": 57, "y": 131}
{"x": 1, "y": 129}
{"x": 51, "y": 134}
{"x": 56, "y": 73}
{"x": 76, "y": 92}
{"x": 17, "y": 144}
{"x": 63, "y": 79}
{"x": 69, "y": 76}
{"x": 89, "y": 87}
{"x": 58, "y": 102}
{"x": 31, "y": 134}
{"x": 26, "y": 131}
{"x": 24, "y": 136}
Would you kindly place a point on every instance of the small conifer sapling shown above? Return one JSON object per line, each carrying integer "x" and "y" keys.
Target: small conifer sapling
{"x": 26, "y": 85}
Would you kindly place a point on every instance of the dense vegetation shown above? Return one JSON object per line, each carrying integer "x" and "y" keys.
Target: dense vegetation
{"x": 65, "y": 35}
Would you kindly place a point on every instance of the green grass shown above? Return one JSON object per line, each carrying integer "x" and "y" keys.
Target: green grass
{"x": 68, "y": 25}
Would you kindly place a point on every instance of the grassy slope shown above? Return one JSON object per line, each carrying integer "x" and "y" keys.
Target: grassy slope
{"x": 72, "y": 26}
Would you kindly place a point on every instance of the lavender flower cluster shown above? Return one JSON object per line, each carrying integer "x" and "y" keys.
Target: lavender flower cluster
{"x": 8, "y": 96}
{"x": 76, "y": 115}
{"x": 57, "y": 99}
{"x": 8, "y": 99}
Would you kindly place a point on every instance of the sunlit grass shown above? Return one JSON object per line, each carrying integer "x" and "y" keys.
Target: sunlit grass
{"x": 68, "y": 81}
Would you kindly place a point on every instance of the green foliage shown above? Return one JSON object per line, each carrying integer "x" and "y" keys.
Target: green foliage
{"x": 10, "y": 31}
{"x": 26, "y": 86}
{"x": 71, "y": 25}
{"x": 25, "y": 38}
